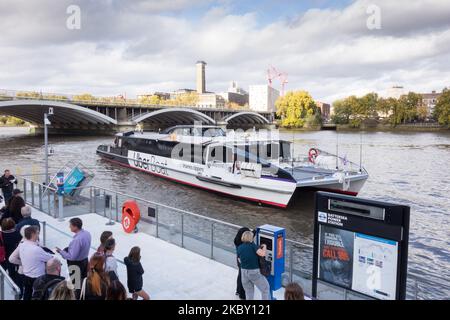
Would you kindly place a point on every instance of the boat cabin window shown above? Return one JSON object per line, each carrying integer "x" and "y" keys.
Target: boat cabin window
{"x": 285, "y": 150}
{"x": 195, "y": 131}
{"x": 221, "y": 154}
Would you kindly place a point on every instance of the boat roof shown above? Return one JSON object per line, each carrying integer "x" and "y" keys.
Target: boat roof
{"x": 230, "y": 138}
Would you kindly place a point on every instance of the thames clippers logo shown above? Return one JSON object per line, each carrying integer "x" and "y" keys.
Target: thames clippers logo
{"x": 149, "y": 163}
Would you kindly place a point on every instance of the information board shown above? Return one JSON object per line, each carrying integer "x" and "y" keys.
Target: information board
{"x": 361, "y": 245}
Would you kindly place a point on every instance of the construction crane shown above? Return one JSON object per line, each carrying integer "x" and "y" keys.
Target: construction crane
{"x": 273, "y": 73}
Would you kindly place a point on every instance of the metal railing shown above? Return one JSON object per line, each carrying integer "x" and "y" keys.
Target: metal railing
{"x": 207, "y": 236}
{"x": 5, "y": 280}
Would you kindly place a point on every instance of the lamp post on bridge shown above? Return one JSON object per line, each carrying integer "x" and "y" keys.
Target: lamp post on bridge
{"x": 46, "y": 123}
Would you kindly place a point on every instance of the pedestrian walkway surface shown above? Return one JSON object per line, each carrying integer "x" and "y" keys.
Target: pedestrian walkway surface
{"x": 171, "y": 272}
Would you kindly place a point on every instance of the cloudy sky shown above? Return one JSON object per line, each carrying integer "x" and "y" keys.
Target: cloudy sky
{"x": 136, "y": 46}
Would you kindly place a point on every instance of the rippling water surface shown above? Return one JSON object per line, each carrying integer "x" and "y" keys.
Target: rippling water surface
{"x": 407, "y": 168}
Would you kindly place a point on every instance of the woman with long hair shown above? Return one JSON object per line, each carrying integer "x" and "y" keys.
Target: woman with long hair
{"x": 134, "y": 274}
{"x": 116, "y": 291}
{"x": 64, "y": 290}
{"x": 293, "y": 291}
{"x": 96, "y": 284}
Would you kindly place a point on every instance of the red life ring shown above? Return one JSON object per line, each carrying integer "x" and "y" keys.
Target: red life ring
{"x": 130, "y": 215}
{"x": 312, "y": 155}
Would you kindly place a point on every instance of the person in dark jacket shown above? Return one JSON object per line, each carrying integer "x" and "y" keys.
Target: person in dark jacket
{"x": 27, "y": 219}
{"x": 7, "y": 182}
{"x": 11, "y": 239}
{"x": 44, "y": 285}
{"x": 134, "y": 274}
{"x": 237, "y": 242}
{"x": 15, "y": 206}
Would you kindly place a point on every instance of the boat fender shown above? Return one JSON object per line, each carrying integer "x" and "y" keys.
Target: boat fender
{"x": 130, "y": 215}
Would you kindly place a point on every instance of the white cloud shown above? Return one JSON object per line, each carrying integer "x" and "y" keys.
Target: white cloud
{"x": 136, "y": 47}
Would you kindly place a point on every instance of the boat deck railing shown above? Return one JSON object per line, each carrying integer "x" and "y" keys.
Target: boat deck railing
{"x": 204, "y": 235}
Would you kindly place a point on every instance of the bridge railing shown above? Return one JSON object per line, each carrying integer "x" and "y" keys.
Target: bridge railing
{"x": 206, "y": 236}
{"x": 94, "y": 101}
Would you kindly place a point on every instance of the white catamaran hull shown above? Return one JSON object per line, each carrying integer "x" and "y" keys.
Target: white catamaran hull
{"x": 269, "y": 191}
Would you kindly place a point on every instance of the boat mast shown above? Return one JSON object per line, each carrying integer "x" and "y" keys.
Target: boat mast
{"x": 337, "y": 150}
{"x": 360, "y": 152}
{"x": 293, "y": 152}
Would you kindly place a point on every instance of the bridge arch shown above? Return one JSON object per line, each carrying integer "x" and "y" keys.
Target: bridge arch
{"x": 33, "y": 111}
{"x": 173, "y": 116}
{"x": 245, "y": 118}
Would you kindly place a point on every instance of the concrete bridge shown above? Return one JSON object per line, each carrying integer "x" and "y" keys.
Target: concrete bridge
{"x": 99, "y": 117}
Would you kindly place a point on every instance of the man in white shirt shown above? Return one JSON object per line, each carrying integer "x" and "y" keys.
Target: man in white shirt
{"x": 32, "y": 258}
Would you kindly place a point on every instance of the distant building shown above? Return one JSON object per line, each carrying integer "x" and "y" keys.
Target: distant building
{"x": 210, "y": 100}
{"x": 173, "y": 95}
{"x": 395, "y": 92}
{"x": 235, "y": 95}
{"x": 429, "y": 100}
{"x": 160, "y": 95}
{"x": 263, "y": 98}
{"x": 201, "y": 78}
{"x": 325, "y": 109}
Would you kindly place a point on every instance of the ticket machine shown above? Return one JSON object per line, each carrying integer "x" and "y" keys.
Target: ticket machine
{"x": 274, "y": 239}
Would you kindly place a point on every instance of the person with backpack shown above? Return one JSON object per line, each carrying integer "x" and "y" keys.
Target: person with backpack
{"x": 248, "y": 255}
{"x": 134, "y": 274}
{"x": 44, "y": 285}
{"x": 9, "y": 240}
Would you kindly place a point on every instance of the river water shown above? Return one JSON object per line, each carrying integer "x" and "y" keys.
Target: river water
{"x": 407, "y": 168}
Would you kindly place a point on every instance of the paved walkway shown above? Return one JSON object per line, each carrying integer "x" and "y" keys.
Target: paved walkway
{"x": 171, "y": 272}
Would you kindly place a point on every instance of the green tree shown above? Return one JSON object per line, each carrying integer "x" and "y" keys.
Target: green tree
{"x": 442, "y": 110}
{"x": 408, "y": 107}
{"x": 341, "y": 112}
{"x": 184, "y": 99}
{"x": 296, "y": 109}
{"x": 84, "y": 97}
{"x": 153, "y": 99}
{"x": 29, "y": 95}
{"x": 368, "y": 105}
{"x": 385, "y": 107}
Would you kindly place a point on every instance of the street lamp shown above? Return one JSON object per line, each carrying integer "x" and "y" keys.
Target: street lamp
{"x": 47, "y": 123}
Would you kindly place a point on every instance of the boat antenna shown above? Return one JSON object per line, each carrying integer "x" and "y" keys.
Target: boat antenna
{"x": 337, "y": 150}
{"x": 293, "y": 152}
{"x": 360, "y": 151}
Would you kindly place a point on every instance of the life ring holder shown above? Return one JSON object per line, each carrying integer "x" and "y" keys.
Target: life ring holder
{"x": 131, "y": 215}
{"x": 312, "y": 155}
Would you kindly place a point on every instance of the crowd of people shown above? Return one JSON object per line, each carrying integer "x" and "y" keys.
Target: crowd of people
{"x": 37, "y": 270}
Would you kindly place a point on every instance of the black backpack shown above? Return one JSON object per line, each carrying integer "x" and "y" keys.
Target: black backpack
{"x": 46, "y": 291}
